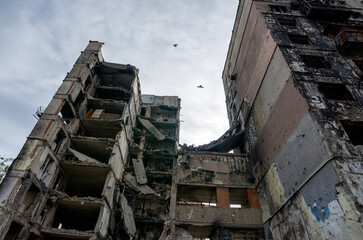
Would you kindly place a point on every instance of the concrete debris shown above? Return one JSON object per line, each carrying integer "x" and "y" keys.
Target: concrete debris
{"x": 128, "y": 217}
{"x": 83, "y": 157}
{"x": 227, "y": 142}
{"x": 139, "y": 171}
{"x": 144, "y": 189}
{"x": 165, "y": 235}
{"x": 152, "y": 129}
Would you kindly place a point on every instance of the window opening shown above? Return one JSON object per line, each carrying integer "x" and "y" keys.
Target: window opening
{"x": 66, "y": 112}
{"x": 235, "y": 206}
{"x": 87, "y": 84}
{"x": 84, "y": 181}
{"x": 58, "y": 182}
{"x": 143, "y": 111}
{"x": 335, "y": 91}
{"x": 359, "y": 64}
{"x": 233, "y": 76}
{"x": 59, "y": 139}
{"x": 29, "y": 198}
{"x": 45, "y": 164}
{"x": 315, "y": 61}
{"x": 299, "y": 39}
{"x": 287, "y": 22}
{"x": 78, "y": 100}
{"x": 354, "y": 131}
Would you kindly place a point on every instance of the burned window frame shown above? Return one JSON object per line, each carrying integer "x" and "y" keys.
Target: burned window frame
{"x": 315, "y": 62}
{"x": 291, "y": 22}
{"x": 335, "y": 91}
{"x": 301, "y": 39}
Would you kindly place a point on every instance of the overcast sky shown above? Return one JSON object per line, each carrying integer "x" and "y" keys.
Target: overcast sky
{"x": 41, "y": 39}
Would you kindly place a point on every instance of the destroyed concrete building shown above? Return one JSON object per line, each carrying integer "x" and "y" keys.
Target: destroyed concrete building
{"x": 293, "y": 81}
{"x": 104, "y": 161}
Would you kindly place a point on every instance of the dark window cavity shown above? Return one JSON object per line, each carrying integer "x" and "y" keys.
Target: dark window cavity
{"x": 354, "y": 131}
{"x": 335, "y": 91}
{"x": 315, "y": 61}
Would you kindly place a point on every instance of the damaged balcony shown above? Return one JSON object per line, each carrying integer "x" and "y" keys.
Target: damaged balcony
{"x": 100, "y": 124}
{"x": 166, "y": 102}
{"x": 329, "y": 13}
{"x": 158, "y": 130}
{"x": 115, "y": 82}
{"x": 150, "y": 209}
{"x": 149, "y": 182}
{"x": 350, "y": 42}
{"x": 110, "y": 106}
{"x": 159, "y": 165}
{"x": 208, "y": 206}
{"x": 163, "y": 115}
{"x": 98, "y": 128}
{"x": 230, "y": 140}
{"x": 28, "y": 204}
{"x": 98, "y": 149}
{"x": 72, "y": 219}
{"x": 166, "y": 146}
{"x": 112, "y": 93}
{"x": 214, "y": 169}
{"x": 160, "y": 184}
{"x": 170, "y": 132}
{"x": 211, "y": 196}
{"x": 116, "y": 75}
{"x": 82, "y": 181}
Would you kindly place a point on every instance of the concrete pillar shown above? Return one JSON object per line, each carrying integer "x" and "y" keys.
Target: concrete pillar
{"x": 253, "y": 198}
{"x": 222, "y": 197}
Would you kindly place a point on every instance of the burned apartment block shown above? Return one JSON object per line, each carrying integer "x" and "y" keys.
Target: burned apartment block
{"x": 104, "y": 162}
{"x": 293, "y": 80}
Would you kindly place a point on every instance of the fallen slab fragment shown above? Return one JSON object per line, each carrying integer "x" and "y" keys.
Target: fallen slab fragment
{"x": 152, "y": 129}
{"x": 139, "y": 171}
{"x": 128, "y": 217}
{"x": 144, "y": 189}
{"x": 83, "y": 157}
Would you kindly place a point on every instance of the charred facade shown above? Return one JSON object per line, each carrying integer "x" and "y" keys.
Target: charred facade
{"x": 292, "y": 80}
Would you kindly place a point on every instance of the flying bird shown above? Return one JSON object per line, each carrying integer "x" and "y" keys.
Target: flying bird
{"x": 175, "y": 44}
{"x": 200, "y": 86}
